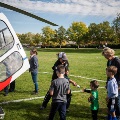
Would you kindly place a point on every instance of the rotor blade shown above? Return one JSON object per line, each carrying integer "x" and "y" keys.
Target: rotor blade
{"x": 26, "y": 13}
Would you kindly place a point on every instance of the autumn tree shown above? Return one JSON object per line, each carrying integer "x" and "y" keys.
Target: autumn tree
{"x": 37, "y": 38}
{"x": 116, "y": 28}
{"x": 60, "y": 36}
{"x": 100, "y": 32}
{"x": 47, "y": 36}
{"x": 76, "y": 32}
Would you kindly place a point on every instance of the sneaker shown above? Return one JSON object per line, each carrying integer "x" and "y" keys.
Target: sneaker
{"x": 42, "y": 108}
{"x": 34, "y": 93}
{"x": 11, "y": 90}
{"x": 5, "y": 94}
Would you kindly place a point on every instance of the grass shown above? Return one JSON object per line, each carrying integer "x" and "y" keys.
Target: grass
{"x": 87, "y": 63}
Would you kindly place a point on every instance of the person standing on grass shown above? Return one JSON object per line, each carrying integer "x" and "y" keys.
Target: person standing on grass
{"x": 8, "y": 74}
{"x": 70, "y": 94}
{"x": 12, "y": 86}
{"x": 9, "y": 69}
{"x": 34, "y": 68}
{"x": 113, "y": 60}
{"x": 62, "y": 60}
{"x": 58, "y": 90}
{"x": 93, "y": 99}
{"x": 112, "y": 92}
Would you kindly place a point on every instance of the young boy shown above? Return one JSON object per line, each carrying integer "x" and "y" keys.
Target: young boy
{"x": 58, "y": 90}
{"x": 112, "y": 92}
{"x": 93, "y": 98}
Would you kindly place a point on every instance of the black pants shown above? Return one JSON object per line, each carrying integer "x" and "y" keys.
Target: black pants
{"x": 94, "y": 114}
{"x": 12, "y": 86}
{"x": 68, "y": 100}
{"x": 48, "y": 96}
{"x": 46, "y": 99}
{"x": 6, "y": 90}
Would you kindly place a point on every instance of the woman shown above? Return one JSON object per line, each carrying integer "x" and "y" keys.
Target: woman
{"x": 109, "y": 54}
{"x": 34, "y": 68}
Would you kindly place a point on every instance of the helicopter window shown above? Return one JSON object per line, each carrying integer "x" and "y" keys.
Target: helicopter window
{"x": 10, "y": 65}
{"x": 6, "y": 38}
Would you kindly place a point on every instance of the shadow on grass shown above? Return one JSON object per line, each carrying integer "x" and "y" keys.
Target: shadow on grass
{"x": 31, "y": 111}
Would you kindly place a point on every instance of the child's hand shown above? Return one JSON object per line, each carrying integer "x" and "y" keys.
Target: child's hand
{"x": 90, "y": 99}
{"x": 83, "y": 90}
{"x": 107, "y": 99}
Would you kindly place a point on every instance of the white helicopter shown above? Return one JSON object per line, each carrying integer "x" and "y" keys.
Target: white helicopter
{"x": 13, "y": 60}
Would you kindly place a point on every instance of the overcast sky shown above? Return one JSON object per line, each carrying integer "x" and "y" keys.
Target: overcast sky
{"x": 60, "y": 12}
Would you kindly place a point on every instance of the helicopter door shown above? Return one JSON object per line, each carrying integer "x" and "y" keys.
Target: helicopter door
{"x": 13, "y": 60}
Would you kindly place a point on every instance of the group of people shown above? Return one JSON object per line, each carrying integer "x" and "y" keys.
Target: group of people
{"x": 60, "y": 90}
{"x": 112, "y": 84}
{"x": 112, "y": 87}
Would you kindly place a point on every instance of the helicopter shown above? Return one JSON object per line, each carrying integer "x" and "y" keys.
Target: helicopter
{"x": 13, "y": 59}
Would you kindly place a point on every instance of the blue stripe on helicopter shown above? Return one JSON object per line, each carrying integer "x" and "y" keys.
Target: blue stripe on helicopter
{"x": 25, "y": 58}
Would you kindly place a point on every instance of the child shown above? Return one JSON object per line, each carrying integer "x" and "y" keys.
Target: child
{"x": 58, "y": 90}
{"x": 112, "y": 92}
{"x": 93, "y": 98}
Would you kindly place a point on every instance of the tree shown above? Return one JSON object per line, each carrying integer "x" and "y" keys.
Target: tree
{"x": 92, "y": 30}
{"x": 60, "y": 36}
{"x": 76, "y": 32}
{"x": 22, "y": 38}
{"x": 116, "y": 27}
{"x": 100, "y": 32}
{"x": 37, "y": 38}
{"x": 29, "y": 39}
{"x": 47, "y": 35}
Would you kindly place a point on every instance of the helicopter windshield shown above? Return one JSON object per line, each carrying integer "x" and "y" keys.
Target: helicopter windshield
{"x": 14, "y": 61}
{"x": 6, "y": 38}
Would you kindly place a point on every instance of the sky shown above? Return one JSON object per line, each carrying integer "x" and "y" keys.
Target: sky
{"x": 61, "y": 12}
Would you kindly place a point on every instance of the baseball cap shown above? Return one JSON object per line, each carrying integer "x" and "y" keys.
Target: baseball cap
{"x": 64, "y": 57}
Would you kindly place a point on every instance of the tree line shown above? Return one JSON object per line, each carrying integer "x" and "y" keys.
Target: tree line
{"x": 78, "y": 34}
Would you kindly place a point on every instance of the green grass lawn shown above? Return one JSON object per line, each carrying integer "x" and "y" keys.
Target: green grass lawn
{"x": 85, "y": 65}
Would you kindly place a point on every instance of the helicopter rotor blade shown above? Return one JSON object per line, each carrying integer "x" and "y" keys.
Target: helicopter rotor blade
{"x": 26, "y": 13}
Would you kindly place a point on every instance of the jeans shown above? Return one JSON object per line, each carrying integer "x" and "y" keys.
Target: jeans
{"x": 60, "y": 107}
{"x": 48, "y": 97}
{"x": 34, "y": 78}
